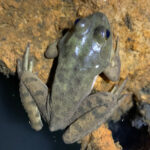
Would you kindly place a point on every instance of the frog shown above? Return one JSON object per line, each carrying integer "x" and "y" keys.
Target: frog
{"x": 83, "y": 53}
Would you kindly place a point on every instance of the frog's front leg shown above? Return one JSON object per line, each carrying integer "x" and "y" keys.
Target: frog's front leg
{"x": 33, "y": 93}
{"x": 113, "y": 70}
{"x": 93, "y": 111}
{"x": 52, "y": 50}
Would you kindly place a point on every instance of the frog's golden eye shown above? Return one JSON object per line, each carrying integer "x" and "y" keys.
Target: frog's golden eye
{"x": 101, "y": 34}
{"x": 82, "y": 26}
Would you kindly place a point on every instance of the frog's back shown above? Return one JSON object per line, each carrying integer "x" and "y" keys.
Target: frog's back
{"x": 82, "y": 57}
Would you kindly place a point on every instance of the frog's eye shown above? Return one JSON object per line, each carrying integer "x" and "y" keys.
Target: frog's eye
{"x": 82, "y": 26}
{"x": 77, "y": 20}
{"x": 101, "y": 34}
{"x": 107, "y": 34}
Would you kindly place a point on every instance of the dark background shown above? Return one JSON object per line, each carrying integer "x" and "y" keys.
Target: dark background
{"x": 15, "y": 131}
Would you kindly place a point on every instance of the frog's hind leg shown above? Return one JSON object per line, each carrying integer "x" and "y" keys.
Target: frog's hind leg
{"x": 94, "y": 111}
{"x": 33, "y": 93}
{"x": 113, "y": 70}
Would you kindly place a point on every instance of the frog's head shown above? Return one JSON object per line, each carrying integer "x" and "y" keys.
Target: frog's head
{"x": 88, "y": 44}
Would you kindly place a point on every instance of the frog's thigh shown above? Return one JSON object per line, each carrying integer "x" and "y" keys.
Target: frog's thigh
{"x": 113, "y": 70}
{"x": 91, "y": 111}
{"x": 52, "y": 51}
{"x": 34, "y": 93}
{"x": 89, "y": 103}
{"x": 89, "y": 122}
{"x": 94, "y": 111}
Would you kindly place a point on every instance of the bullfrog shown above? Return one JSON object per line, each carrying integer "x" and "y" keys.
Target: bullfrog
{"x": 83, "y": 53}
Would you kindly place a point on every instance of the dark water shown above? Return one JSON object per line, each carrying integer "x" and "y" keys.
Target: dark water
{"x": 129, "y": 137}
{"x": 15, "y": 131}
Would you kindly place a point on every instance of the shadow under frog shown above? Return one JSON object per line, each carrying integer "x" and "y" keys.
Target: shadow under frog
{"x": 84, "y": 52}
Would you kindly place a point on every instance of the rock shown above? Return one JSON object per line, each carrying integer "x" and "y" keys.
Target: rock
{"x": 100, "y": 139}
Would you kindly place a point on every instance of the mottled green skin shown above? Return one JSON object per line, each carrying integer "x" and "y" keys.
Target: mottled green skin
{"x": 84, "y": 52}
{"x": 76, "y": 70}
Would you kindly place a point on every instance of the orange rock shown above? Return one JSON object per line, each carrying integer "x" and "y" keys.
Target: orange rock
{"x": 100, "y": 139}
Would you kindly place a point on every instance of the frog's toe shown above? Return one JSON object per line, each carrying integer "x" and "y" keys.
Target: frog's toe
{"x": 116, "y": 91}
{"x": 19, "y": 67}
{"x": 25, "y": 64}
{"x": 26, "y": 58}
{"x": 30, "y": 66}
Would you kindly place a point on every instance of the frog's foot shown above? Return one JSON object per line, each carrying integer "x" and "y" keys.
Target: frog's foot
{"x": 113, "y": 70}
{"x": 25, "y": 64}
{"x": 33, "y": 92}
{"x": 94, "y": 111}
